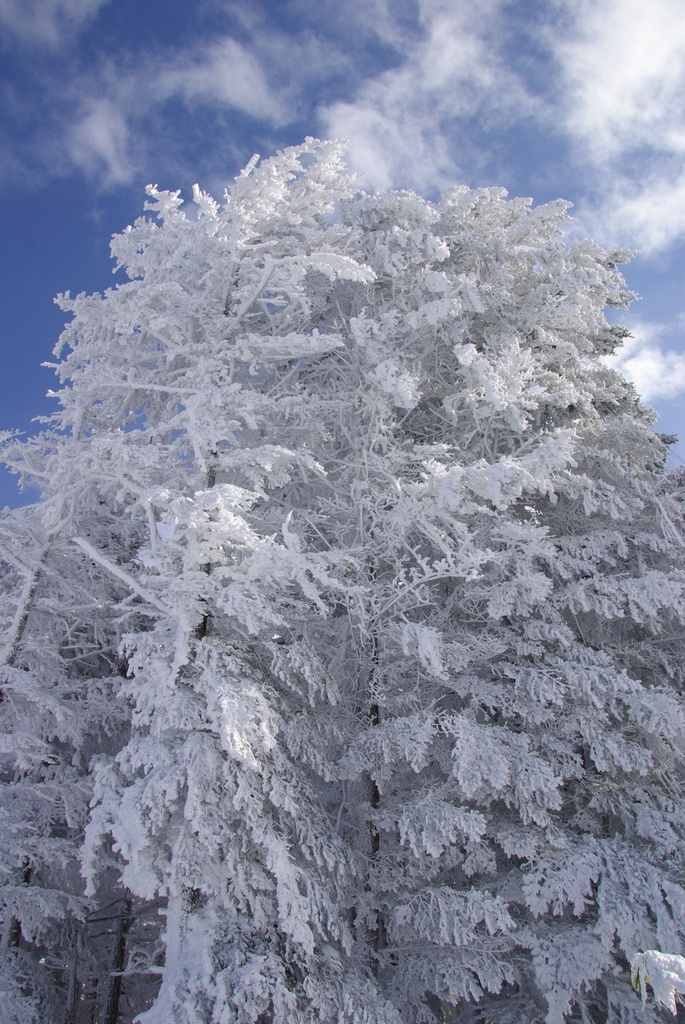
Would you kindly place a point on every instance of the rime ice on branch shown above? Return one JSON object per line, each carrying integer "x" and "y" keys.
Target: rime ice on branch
{"x": 398, "y": 572}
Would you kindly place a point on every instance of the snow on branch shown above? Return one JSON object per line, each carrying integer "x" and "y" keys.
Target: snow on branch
{"x": 665, "y": 972}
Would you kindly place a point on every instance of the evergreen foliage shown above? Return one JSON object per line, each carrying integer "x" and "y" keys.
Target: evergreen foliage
{"x": 359, "y": 615}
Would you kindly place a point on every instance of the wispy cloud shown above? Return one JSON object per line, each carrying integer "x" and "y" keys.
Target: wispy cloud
{"x": 224, "y": 74}
{"x": 46, "y": 22}
{"x": 646, "y": 211}
{"x": 623, "y": 63}
{"x": 411, "y": 83}
{"x": 111, "y": 138}
{"x": 407, "y": 125}
{"x": 621, "y": 104}
{"x": 657, "y": 371}
{"x": 427, "y": 92}
{"x": 98, "y": 143}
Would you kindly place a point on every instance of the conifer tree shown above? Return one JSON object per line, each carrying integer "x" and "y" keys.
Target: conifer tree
{"x": 396, "y": 571}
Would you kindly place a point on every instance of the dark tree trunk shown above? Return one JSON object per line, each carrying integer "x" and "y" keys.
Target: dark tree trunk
{"x": 71, "y": 1007}
{"x": 112, "y": 993}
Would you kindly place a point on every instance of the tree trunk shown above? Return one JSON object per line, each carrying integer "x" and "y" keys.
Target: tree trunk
{"x": 71, "y": 1007}
{"x": 376, "y": 936}
{"x": 110, "y": 1003}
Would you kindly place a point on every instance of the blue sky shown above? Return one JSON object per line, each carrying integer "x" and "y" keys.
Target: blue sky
{"x": 583, "y": 99}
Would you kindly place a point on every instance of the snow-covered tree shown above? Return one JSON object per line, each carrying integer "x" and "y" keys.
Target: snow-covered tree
{"x": 397, "y": 572}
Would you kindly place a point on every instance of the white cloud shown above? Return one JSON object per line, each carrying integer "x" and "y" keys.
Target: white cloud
{"x": 435, "y": 117}
{"x": 405, "y": 124}
{"x": 225, "y": 74}
{"x": 621, "y": 104}
{"x": 647, "y": 213}
{"x": 98, "y": 143}
{"x": 46, "y": 22}
{"x": 109, "y": 138}
{"x": 358, "y": 21}
{"x": 388, "y": 151}
{"x": 623, "y": 63}
{"x": 657, "y": 372}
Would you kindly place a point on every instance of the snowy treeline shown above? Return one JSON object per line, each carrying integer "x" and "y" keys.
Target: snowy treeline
{"x": 344, "y": 653}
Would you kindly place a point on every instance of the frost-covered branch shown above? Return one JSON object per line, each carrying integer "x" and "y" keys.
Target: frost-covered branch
{"x": 23, "y": 610}
{"x": 120, "y": 574}
{"x": 664, "y": 973}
